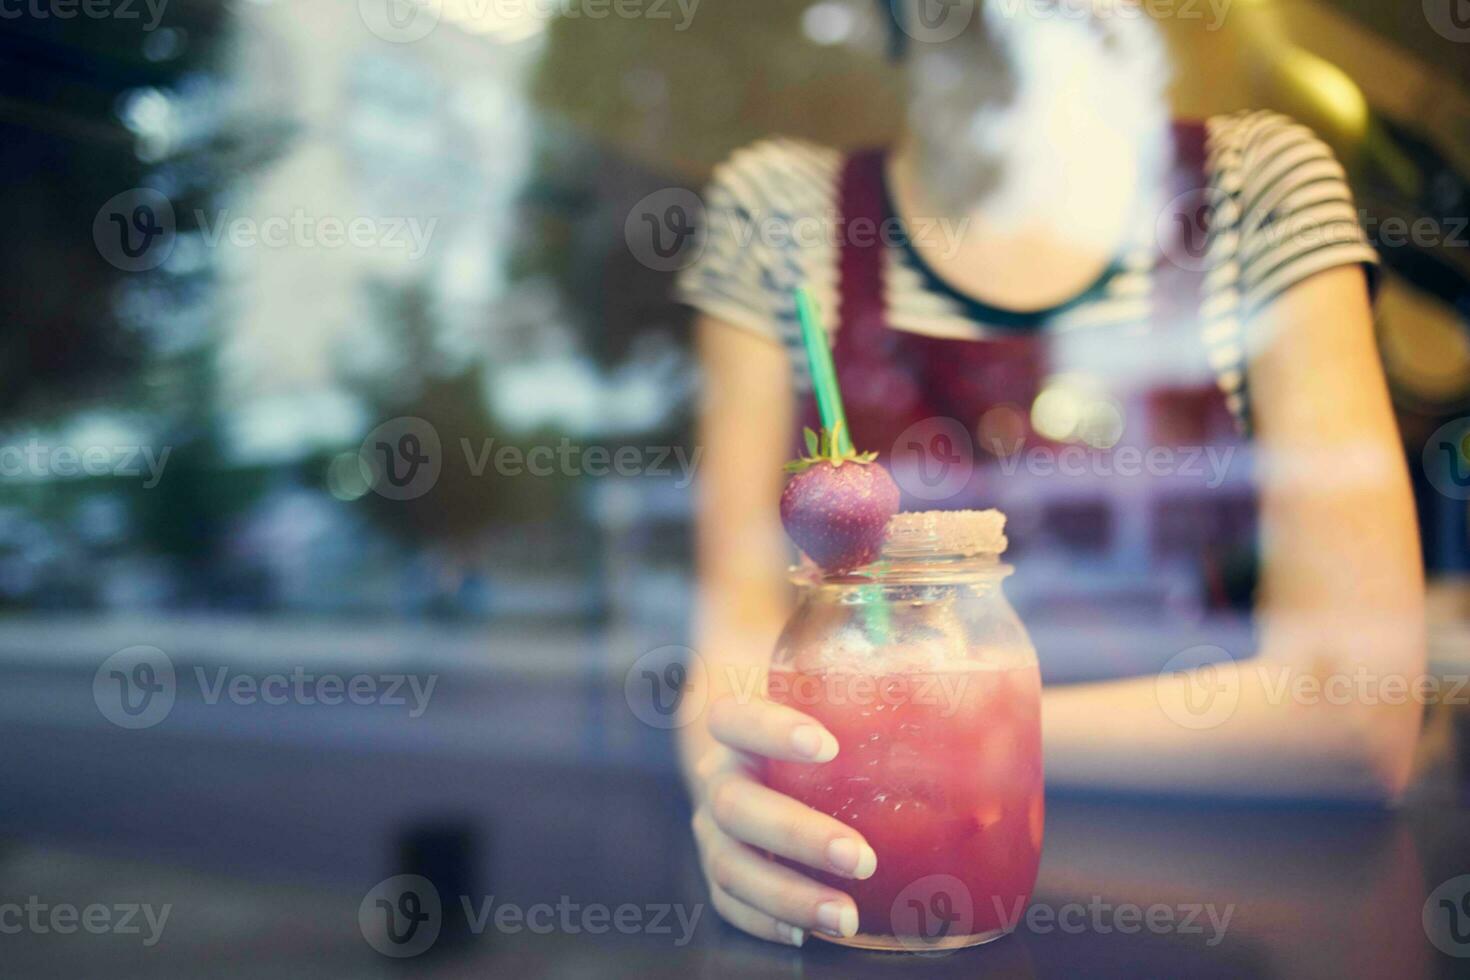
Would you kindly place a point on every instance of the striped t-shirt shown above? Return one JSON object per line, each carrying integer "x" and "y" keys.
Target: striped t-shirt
{"x": 1279, "y": 211}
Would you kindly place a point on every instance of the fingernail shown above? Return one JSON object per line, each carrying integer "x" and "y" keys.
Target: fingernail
{"x": 852, "y": 858}
{"x": 793, "y": 935}
{"x": 837, "y": 919}
{"x": 815, "y": 743}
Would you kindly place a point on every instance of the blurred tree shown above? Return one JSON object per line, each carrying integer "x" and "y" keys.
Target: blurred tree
{"x": 65, "y": 150}
{"x": 462, "y": 503}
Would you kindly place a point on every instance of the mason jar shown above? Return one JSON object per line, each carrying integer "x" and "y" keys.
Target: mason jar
{"x": 923, "y": 672}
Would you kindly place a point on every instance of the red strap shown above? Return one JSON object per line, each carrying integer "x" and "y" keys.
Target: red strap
{"x": 1190, "y": 139}
{"x": 1179, "y": 274}
{"x": 861, "y": 204}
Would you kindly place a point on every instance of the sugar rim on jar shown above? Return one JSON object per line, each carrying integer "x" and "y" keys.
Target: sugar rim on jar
{"x": 957, "y": 533}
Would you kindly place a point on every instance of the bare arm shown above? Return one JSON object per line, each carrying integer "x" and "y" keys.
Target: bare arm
{"x": 1320, "y": 711}
{"x": 743, "y": 598}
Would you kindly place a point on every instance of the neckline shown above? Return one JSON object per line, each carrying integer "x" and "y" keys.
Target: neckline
{"x": 976, "y": 309}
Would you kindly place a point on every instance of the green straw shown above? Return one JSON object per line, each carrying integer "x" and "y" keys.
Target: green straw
{"x": 834, "y": 420}
{"x": 824, "y": 375}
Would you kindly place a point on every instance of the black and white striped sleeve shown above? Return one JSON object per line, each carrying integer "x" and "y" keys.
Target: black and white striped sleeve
{"x": 1295, "y": 212}
{"x": 765, "y": 215}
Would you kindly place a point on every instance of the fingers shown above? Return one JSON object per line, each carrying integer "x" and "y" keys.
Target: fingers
{"x": 737, "y": 817}
{"x": 760, "y": 892}
{"x": 765, "y": 819}
{"x": 781, "y": 892}
{"x": 772, "y": 730}
{"x": 742, "y": 915}
{"x": 753, "y": 920}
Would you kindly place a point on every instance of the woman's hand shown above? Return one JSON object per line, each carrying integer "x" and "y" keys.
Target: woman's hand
{"x": 736, "y": 819}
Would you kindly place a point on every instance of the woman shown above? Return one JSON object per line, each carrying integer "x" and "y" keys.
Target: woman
{"x": 1040, "y": 149}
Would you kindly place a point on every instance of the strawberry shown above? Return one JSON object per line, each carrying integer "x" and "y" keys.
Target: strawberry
{"x": 837, "y": 505}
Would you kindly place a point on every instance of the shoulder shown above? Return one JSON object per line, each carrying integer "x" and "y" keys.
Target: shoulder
{"x": 775, "y": 180}
{"x": 1285, "y": 208}
{"x": 1245, "y": 126}
{"x": 788, "y": 172}
{"x": 1255, "y": 145}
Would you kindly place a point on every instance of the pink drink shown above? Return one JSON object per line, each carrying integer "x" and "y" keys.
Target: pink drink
{"x": 941, "y": 773}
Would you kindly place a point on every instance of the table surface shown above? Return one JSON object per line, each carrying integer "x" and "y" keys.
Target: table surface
{"x": 265, "y": 846}
{"x": 1309, "y": 892}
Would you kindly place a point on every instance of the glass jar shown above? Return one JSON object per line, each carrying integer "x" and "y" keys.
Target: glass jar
{"x": 921, "y": 669}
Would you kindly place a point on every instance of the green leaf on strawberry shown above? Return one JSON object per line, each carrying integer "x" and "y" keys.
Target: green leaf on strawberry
{"x": 822, "y": 448}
